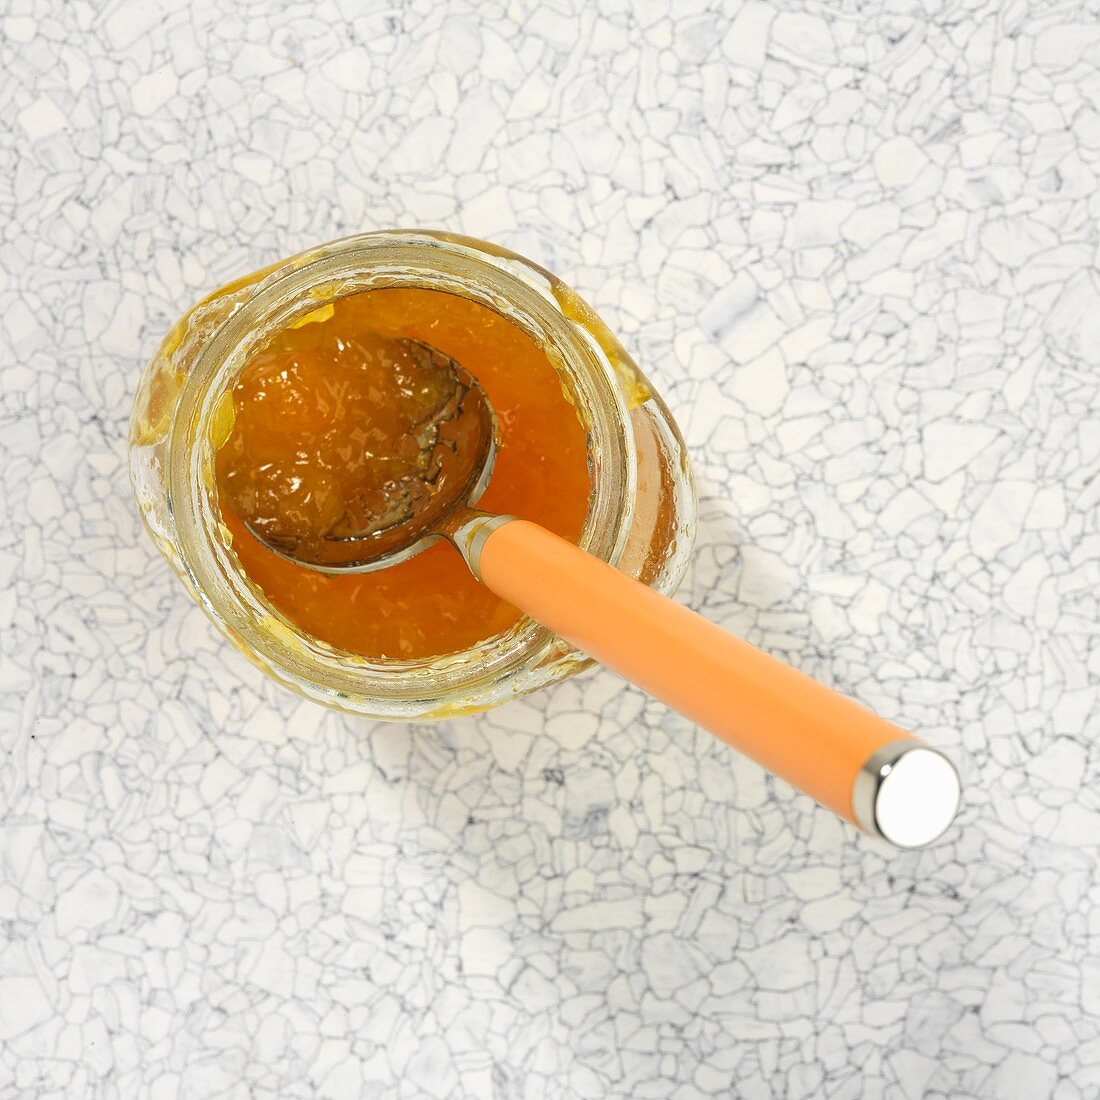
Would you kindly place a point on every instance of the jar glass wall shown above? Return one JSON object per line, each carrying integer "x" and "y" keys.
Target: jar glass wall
{"x": 641, "y": 512}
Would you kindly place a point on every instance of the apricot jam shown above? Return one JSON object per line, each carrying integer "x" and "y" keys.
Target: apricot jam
{"x": 328, "y": 407}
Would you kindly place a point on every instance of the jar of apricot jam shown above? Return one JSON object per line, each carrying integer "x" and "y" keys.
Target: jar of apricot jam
{"x": 586, "y": 448}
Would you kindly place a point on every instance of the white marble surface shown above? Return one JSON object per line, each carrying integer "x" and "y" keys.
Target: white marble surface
{"x": 856, "y": 245}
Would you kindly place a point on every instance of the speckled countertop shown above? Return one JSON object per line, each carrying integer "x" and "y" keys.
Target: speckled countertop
{"x": 856, "y": 247}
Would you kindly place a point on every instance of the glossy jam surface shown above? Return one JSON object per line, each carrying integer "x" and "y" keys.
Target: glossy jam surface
{"x": 327, "y": 408}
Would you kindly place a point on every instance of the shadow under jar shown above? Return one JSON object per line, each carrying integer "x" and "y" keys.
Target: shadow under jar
{"x": 641, "y": 508}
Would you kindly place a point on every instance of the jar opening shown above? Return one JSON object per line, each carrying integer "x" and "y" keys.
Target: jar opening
{"x": 500, "y": 281}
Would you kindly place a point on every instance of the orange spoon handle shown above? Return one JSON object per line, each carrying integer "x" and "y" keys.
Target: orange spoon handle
{"x": 826, "y": 745}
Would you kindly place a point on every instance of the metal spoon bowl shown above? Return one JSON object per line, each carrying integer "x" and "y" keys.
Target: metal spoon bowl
{"x": 457, "y": 441}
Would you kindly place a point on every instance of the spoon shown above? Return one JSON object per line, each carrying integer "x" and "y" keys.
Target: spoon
{"x": 870, "y": 772}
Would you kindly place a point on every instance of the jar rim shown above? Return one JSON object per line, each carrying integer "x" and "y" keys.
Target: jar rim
{"x": 505, "y": 282}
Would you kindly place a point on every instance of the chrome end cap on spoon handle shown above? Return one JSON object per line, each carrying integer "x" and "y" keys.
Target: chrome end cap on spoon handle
{"x": 907, "y": 794}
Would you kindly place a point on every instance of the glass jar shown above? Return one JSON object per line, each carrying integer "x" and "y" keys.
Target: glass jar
{"x": 641, "y": 513}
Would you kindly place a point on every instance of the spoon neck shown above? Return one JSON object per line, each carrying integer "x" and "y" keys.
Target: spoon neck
{"x": 468, "y": 530}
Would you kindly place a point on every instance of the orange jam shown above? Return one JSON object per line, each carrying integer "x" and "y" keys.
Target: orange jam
{"x": 328, "y": 406}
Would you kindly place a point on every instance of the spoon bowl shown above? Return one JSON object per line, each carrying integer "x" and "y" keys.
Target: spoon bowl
{"x": 457, "y": 444}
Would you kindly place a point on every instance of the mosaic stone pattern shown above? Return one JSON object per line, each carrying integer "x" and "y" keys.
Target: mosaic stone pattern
{"x": 855, "y": 245}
